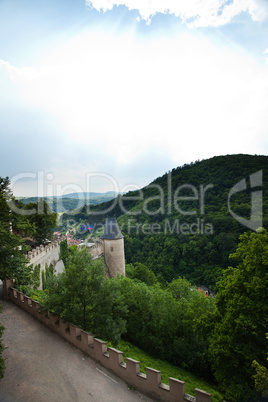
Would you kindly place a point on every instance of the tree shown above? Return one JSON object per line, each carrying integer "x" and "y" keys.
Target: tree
{"x": 82, "y": 296}
{"x": 2, "y": 348}
{"x": 110, "y": 312}
{"x": 13, "y": 263}
{"x": 180, "y": 288}
{"x": 141, "y": 272}
{"x": 64, "y": 251}
{"x": 35, "y": 276}
{"x": 161, "y": 321}
{"x": 241, "y": 319}
{"x": 47, "y": 274}
{"x": 261, "y": 378}
{"x": 43, "y": 219}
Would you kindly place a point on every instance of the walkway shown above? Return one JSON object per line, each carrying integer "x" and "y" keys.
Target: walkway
{"x": 41, "y": 366}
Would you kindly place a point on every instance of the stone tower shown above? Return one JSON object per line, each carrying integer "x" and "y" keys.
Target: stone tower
{"x": 113, "y": 248}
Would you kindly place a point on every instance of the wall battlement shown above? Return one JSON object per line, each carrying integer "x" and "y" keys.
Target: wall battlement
{"x": 45, "y": 255}
{"x": 41, "y": 251}
{"x": 112, "y": 359}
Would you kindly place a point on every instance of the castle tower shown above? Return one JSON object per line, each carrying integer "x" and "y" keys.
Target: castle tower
{"x": 113, "y": 248}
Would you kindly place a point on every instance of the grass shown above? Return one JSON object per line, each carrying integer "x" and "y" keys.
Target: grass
{"x": 168, "y": 370}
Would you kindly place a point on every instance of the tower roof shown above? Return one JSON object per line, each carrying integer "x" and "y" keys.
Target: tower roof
{"x": 111, "y": 230}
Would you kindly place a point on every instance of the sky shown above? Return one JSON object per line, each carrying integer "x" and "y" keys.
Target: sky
{"x": 108, "y": 95}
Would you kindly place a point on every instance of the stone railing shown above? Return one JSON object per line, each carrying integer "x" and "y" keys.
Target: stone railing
{"x": 112, "y": 359}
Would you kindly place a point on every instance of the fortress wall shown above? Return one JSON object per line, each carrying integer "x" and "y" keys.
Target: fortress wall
{"x": 45, "y": 255}
{"x": 112, "y": 359}
{"x": 96, "y": 251}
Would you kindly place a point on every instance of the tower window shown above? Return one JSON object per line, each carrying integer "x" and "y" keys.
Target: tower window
{"x": 112, "y": 249}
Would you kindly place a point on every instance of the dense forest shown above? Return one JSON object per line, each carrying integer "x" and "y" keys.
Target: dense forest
{"x": 180, "y": 225}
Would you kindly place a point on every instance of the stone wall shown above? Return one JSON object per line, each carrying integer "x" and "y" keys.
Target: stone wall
{"x": 149, "y": 383}
{"x": 45, "y": 255}
{"x": 96, "y": 249}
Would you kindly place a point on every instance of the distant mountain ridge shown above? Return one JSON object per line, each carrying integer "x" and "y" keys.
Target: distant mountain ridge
{"x": 66, "y": 202}
{"x": 88, "y": 194}
{"x": 74, "y": 195}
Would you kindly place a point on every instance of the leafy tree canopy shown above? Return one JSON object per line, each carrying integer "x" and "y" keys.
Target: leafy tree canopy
{"x": 42, "y": 219}
{"x": 241, "y": 319}
{"x": 83, "y": 296}
{"x": 261, "y": 377}
{"x": 12, "y": 258}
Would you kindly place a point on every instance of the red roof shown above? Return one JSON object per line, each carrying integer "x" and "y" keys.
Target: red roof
{"x": 201, "y": 291}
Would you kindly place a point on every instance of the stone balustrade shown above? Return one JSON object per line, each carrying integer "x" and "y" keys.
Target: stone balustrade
{"x": 112, "y": 359}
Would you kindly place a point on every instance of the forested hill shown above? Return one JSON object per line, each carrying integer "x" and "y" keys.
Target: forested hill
{"x": 182, "y": 223}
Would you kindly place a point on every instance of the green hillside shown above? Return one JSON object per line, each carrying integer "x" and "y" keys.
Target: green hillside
{"x": 181, "y": 223}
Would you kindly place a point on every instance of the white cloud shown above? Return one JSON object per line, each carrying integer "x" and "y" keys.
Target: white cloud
{"x": 265, "y": 52}
{"x": 258, "y": 10}
{"x": 124, "y": 100}
{"x": 28, "y": 73}
{"x": 195, "y": 13}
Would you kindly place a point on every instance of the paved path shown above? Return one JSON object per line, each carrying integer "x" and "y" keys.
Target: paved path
{"x": 43, "y": 367}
